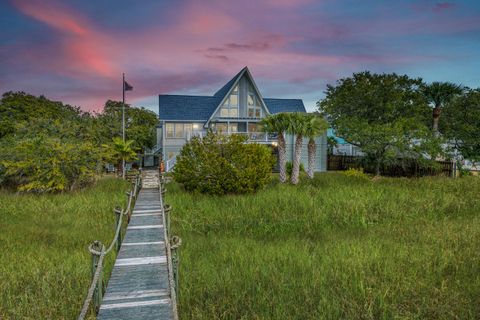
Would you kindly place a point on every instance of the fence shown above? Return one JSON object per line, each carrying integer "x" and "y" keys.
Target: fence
{"x": 403, "y": 167}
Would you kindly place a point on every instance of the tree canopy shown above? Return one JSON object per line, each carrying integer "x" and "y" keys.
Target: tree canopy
{"x": 49, "y": 146}
{"x": 461, "y": 123}
{"x": 384, "y": 114}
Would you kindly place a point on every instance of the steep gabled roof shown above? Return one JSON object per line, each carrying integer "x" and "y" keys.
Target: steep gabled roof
{"x": 226, "y": 88}
{"x": 202, "y": 108}
{"x": 179, "y": 107}
{"x": 284, "y": 105}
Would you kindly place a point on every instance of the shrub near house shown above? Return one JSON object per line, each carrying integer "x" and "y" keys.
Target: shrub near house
{"x": 219, "y": 164}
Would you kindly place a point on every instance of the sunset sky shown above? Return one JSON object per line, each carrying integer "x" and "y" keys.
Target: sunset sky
{"x": 76, "y": 51}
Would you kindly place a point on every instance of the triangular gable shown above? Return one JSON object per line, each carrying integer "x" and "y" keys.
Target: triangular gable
{"x": 229, "y": 85}
{"x": 225, "y": 91}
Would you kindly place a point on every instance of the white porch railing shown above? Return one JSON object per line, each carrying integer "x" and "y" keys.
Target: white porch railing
{"x": 260, "y": 137}
{"x": 170, "y": 163}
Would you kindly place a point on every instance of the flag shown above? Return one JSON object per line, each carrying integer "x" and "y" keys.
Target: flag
{"x": 126, "y": 86}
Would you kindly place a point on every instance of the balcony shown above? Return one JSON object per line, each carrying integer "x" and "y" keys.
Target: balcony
{"x": 257, "y": 137}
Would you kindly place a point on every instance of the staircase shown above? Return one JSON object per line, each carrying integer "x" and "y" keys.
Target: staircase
{"x": 150, "y": 179}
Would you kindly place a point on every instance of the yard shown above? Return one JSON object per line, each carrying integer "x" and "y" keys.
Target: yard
{"x": 336, "y": 247}
{"x": 45, "y": 267}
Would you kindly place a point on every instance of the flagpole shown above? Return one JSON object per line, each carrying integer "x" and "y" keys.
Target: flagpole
{"x": 123, "y": 121}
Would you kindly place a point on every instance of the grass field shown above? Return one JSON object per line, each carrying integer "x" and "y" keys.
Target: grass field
{"x": 336, "y": 247}
{"x": 45, "y": 268}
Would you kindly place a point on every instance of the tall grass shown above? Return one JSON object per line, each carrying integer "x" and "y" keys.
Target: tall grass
{"x": 45, "y": 267}
{"x": 335, "y": 247}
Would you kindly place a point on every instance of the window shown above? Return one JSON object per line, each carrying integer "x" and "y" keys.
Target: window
{"x": 170, "y": 130}
{"x": 229, "y": 108}
{"x": 171, "y": 154}
{"x": 221, "y": 127}
{"x": 179, "y": 133}
{"x": 180, "y": 130}
{"x": 253, "y": 105}
{"x": 224, "y": 127}
{"x": 253, "y": 127}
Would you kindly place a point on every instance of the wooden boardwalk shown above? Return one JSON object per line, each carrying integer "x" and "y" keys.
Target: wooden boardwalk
{"x": 139, "y": 286}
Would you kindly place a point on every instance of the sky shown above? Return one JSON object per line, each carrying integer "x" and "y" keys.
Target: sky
{"x": 76, "y": 51}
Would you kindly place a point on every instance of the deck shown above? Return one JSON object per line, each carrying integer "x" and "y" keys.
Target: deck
{"x": 139, "y": 286}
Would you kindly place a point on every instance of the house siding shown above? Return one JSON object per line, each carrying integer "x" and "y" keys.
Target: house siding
{"x": 320, "y": 155}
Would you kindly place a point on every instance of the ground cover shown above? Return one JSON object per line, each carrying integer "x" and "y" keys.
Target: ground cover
{"x": 336, "y": 247}
{"x": 45, "y": 267}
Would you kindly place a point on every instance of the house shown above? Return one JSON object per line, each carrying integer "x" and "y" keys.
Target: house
{"x": 236, "y": 108}
{"x": 343, "y": 147}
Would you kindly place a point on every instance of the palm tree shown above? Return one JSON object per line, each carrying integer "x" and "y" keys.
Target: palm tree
{"x": 439, "y": 94}
{"x": 298, "y": 127}
{"x": 120, "y": 152}
{"x": 315, "y": 127}
{"x": 278, "y": 123}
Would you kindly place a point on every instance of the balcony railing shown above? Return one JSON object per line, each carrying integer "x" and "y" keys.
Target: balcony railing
{"x": 259, "y": 137}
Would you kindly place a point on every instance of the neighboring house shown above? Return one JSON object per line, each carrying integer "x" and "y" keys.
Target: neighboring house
{"x": 236, "y": 108}
{"x": 343, "y": 147}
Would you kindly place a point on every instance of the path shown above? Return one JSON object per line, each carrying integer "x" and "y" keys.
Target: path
{"x": 139, "y": 285}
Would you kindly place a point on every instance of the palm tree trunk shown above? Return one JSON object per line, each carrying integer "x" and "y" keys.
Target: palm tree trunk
{"x": 312, "y": 150}
{"x": 282, "y": 157}
{"x": 296, "y": 159}
{"x": 436, "y": 119}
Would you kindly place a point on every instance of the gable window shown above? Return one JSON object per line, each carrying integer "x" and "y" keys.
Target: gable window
{"x": 254, "y": 109}
{"x": 229, "y": 108}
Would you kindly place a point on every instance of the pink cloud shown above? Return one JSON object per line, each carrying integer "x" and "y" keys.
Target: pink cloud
{"x": 83, "y": 47}
{"x": 443, "y": 6}
{"x": 52, "y": 14}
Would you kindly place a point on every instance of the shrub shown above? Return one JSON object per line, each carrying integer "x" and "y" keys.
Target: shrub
{"x": 219, "y": 164}
{"x": 45, "y": 164}
{"x": 289, "y": 168}
{"x": 357, "y": 173}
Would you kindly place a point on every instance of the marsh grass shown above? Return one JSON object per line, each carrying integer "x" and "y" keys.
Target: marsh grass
{"x": 336, "y": 247}
{"x": 45, "y": 267}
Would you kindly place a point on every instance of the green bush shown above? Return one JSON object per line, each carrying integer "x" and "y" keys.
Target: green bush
{"x": 289, "y": 168}
{"x": 357, "y": 173}
{"x": 46, "y": 164}
{"x": 219, "y": 164}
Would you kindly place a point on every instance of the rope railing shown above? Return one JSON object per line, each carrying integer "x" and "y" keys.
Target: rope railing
{"x": 173, "y": 244}
{"x": 98, "y": 252}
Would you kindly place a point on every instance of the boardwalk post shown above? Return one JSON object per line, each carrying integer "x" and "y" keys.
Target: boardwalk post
{"x": 97, "y": 300}
{"x": 175, "y": 243}
{"x": 167, "y": 209}
{"x": 118, "y": 212}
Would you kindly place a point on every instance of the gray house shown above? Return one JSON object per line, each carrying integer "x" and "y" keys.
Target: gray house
{"x": 236, "y": 108}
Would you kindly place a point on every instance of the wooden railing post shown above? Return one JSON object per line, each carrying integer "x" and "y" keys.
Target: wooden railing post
{"x": 175, "y": 243}
{"x": 118, "y": 212}
{"x": 97, "y": 299}
{"x": 166, "y": 210}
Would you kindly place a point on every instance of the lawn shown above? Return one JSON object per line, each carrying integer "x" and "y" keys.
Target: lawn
{"x": 336, "y": 247}
{"x": 45, "y": 267}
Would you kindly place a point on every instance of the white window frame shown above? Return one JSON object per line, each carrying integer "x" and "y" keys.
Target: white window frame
{"x": 228, "y": 107}
{"x": 257, "y": 107}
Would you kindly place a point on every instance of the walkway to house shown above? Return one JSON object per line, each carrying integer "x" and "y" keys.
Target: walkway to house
{"x": 140, "y": 285}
